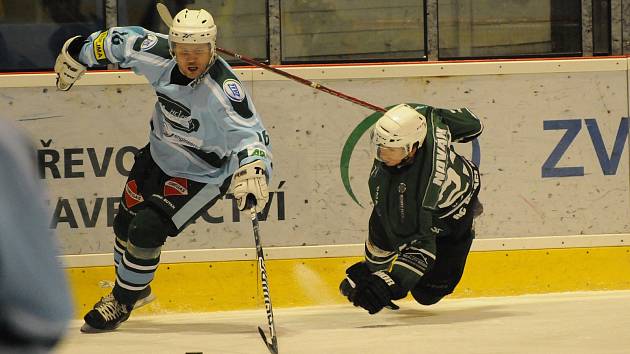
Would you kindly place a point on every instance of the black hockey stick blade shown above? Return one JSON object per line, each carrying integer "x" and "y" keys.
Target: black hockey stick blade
{"x": 273, "y": 346}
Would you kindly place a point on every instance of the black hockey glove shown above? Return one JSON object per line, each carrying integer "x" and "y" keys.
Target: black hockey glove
{"x": 355, "y": 274}
{"x": 376, "y": 292}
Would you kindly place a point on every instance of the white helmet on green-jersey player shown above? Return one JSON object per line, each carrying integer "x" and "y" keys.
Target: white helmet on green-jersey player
{"x": 400, "y": 127}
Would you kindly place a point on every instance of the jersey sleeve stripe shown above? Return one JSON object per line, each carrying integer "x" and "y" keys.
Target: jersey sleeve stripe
{"x": 209, "y": 157}
{"x": 423, "y": 251}
{"x": 378, "y": 261}
{"x": 407, "y": 266}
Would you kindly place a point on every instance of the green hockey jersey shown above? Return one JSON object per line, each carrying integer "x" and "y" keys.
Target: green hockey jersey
{"x": 419, "y": 201}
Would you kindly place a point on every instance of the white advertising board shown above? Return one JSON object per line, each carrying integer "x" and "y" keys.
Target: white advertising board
{"x": 553, "y": 155}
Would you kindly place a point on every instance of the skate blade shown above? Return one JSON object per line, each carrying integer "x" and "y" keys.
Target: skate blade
{"x": 86, "y": 328}
{"x": 144, "y": 301}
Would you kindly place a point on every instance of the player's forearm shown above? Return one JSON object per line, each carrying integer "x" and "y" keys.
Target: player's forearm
{"x": 411, "y": 265}
{"x": 250, "y": 144}
{"x": 110, "y": 46}
{"x": 252, "y": 152}
{"x": 377, "y": 259}
{"x": 92, "y": 52}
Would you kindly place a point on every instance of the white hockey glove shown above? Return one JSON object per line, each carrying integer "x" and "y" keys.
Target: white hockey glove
{"x": 250, "y": 179}
{"x": 67, "y": 68}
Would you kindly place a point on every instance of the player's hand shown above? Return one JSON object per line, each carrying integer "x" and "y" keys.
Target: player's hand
{"x": 250, "y": 179}
{"x": 377, "y": 291}
{"x": 68, "y": 69}
{"x": 355, "y": 274}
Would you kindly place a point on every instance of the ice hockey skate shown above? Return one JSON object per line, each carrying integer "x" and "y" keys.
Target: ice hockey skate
{"x": 108, "y": 314}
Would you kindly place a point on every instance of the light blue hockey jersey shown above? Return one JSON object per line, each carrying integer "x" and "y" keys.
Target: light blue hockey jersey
{"x": 202, "y": 130}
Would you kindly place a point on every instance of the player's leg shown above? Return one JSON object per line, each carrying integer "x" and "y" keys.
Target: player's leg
{"x": 121, "y": 227}
{"x": 446, "y": 273}
{"x": 451, "y": 255}
{"x": 147, "y": 233}
{"x": 170, "y": 204}
{"x": 169, "y": 208}
{"x": 132, "y": 202}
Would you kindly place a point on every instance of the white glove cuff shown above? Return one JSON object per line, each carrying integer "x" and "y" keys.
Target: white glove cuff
{"x": 67, "y": 68}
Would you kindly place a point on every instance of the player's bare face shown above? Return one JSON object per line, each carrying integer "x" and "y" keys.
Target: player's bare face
{"x": 192, "y": 59}
{"x": 391, "y": 156}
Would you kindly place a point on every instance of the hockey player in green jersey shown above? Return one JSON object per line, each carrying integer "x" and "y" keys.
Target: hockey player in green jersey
{"x": 425, "y": 198}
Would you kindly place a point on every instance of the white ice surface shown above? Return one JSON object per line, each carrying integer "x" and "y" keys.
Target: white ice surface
{"x": 576, "y": 323}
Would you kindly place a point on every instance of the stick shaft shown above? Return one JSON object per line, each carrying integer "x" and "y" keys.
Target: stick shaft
{"x": 273, "y": 346}
{"x": 303, "y": 81}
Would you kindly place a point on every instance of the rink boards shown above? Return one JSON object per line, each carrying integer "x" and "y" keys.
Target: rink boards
{"x": 184, "y": 283}
{"x": 553, "y": 158}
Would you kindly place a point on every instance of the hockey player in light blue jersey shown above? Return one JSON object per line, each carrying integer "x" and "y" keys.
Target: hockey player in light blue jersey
{"x": 205, "y": 135}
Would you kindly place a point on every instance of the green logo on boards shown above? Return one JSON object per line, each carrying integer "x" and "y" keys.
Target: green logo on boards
{"x": 348, "y": 148}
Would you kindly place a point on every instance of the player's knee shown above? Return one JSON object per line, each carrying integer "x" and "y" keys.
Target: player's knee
{"x": 426, "y": 296}
{"x": 148, "y": 229}
{"x": 121, "y": 224}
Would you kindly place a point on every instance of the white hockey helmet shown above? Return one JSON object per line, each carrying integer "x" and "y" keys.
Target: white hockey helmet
{"x": 401, "y": 127}
{"x": 190, "y": 26}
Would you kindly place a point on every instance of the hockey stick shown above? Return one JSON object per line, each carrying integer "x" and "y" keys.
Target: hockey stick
{"x": 168, "y": 19}
{"x": 306, "y": 82}
{"x": 273, "y": 346}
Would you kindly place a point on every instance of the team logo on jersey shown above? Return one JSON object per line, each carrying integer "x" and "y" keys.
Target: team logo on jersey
{"x": 234, "y": 90}
{"x": 149, "y": 42}
{"x": 176, "y": 186}
{"x": 132, "y": 197}
{"x": 177, "y": 115}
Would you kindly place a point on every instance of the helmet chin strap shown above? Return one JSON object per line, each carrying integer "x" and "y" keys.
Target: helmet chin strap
{"x": 213, "y": 58}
